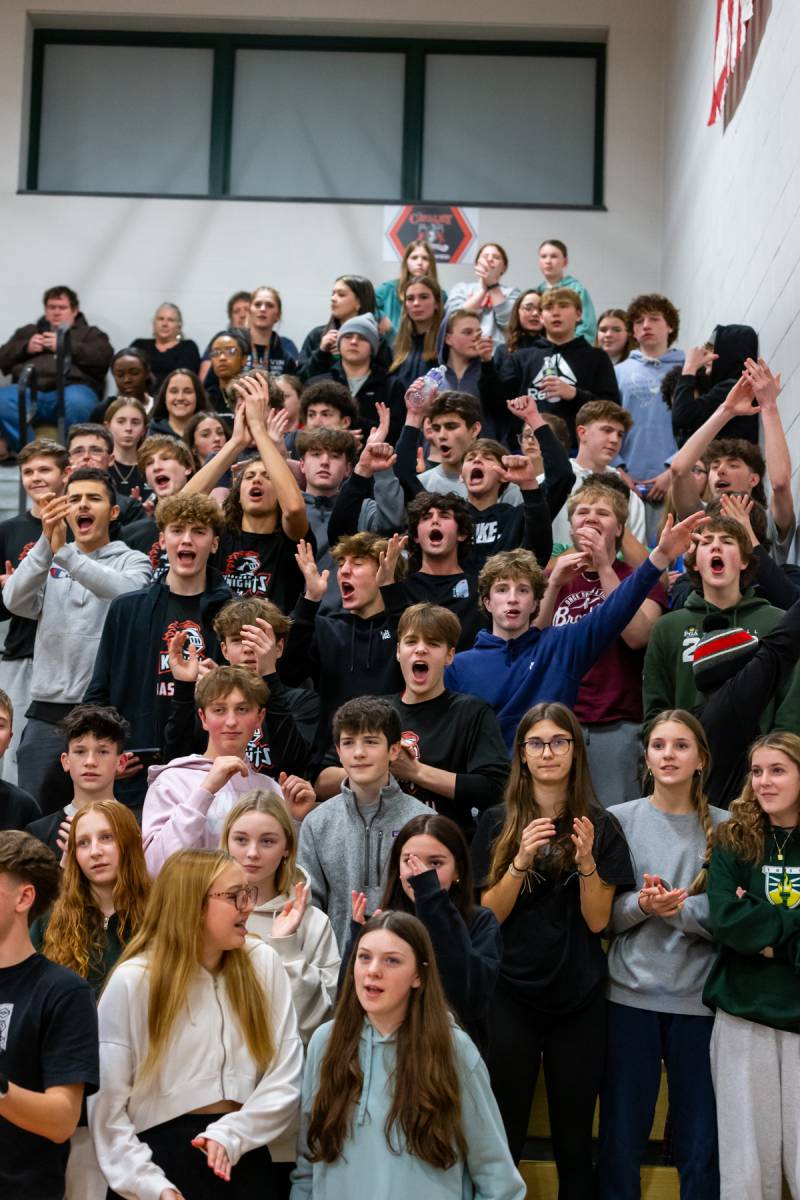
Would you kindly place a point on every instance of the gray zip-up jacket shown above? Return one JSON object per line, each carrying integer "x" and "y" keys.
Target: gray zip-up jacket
{"x": 70, "y": 592}
{"x": 342, "y": 853}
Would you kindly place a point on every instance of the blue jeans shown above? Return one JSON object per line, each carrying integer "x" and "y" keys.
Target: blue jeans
{"x": 638, "y": 1041}
{"x": 79, "y": 400}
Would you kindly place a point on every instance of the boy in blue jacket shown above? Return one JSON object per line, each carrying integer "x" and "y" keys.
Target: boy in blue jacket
{"x": 516, "y": 666}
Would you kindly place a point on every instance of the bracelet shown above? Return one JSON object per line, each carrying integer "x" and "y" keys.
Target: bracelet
{"x": 515, "y": 872}
{"x": 586, "y": 874}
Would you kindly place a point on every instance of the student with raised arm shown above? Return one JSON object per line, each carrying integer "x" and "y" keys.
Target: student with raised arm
{"x": 731, "y": 460}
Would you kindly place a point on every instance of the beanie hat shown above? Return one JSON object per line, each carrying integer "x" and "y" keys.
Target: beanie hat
{"x": 720, "y": 655}
{"x": 366, "y": 326}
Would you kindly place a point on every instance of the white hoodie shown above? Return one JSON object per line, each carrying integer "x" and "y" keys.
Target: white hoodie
{"x": 181, "y": 814}
{"x": 207, "y": 1060}
{"x": 311, "y": 958}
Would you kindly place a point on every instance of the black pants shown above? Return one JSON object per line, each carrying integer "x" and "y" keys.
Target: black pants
{"x": 187, "y": 1169}
{"x": 571, "y": 1046}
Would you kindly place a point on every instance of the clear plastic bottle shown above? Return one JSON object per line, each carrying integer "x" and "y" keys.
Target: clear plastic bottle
{"x": 432, "y": 383}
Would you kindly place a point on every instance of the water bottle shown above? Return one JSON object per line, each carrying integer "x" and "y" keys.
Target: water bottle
{"x": 433, "y": 381}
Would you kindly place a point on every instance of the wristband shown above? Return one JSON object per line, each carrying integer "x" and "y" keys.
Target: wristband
{"x": 586, "y": 874}
{"x": 515, "y": 872}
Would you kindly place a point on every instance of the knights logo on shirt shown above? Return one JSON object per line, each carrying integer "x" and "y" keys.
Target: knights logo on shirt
{"x": 782, "y": 884}
{"x": 194, "y": 637}
{"x": 257, "y": 752}
{"x": 243, "y": 573}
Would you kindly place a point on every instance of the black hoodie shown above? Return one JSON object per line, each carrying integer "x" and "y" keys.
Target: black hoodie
{"x": 695, "y": 399}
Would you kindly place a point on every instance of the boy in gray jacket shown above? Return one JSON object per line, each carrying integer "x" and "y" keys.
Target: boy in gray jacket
{"x": 68, "y": 587}
{"x": 345, "y": 843}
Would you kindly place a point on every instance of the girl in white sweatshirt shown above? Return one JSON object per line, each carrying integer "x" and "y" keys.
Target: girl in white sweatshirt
{"x": 199, "y": 1049}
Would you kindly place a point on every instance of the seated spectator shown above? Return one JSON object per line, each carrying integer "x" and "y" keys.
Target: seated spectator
{"x": 291, "y": 386}
{"x": 228, "y": 353}
{"x": 709, "y": 372}
{"x": 188, "y": 799}
{"x": 264, "y": 513}
{"x": 68, "y": 586}
{"x": 525, "y": 325}
{"x": 600, "y": 426}
{"x": 418, "y": 259}
{"x": 345, "y": 843}
{"x": 430, "y": 875}
{"x": 360, "y": 370}
{"x": 259, "y": 835}
{"x": 17, "y": 808}
{"x": 43, "y": 470}
{"x": 166, "y": 464}
{"x": 92, "y": 445}
{"x": 268, "y": 348}
{"x": 516, "y": 664}
{"x": 50, "y": 1044}
{"x": 130, "y": 368}
{"x": 205, "y": 434}
{"x": 132, "y": 668}
{"x": 487, "y": 297}
{"x": 93, "y": 740}
{"x": 721, "y": 566}
{"x": 736, "y": 465}
{"x": 462, "y": 350}
{"x": 415, "y": 347}
{"x": 440, "y": 536}
{"x": 126, "y": 421}
{"x": 649, "y": 444}
{"x": 553, "y": 263}
{"x": 614, "y": 334}
{"x": 562, "y": 372}
{"x": 168, "y": 350}
{"x": 103, "y": 895}
{"x": 609, "y": 699}
{"x": 180, "y": 396}
{"x": 452, "y": 754}
{"x": 35, "y": 345}
{"x": 352, "y": 296}
{"x": 252, "y": 634}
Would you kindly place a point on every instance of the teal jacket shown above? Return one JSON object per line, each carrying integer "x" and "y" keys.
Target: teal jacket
{"x": 368, "y": 1167}
{"x": 587, "y": 326}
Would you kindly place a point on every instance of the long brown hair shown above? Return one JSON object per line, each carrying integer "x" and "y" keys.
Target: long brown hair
{"x": 697, "y": 792}
{"x": 426, "y": 1104}
{"x": 75, "y": 934}
{"x": 450, "y": 835}
{"x": 515, "y": 332}
{"x": 405, "y": 275}
{"x": 520, "y": 797}
{"x": 173, "y": 947}
{"x": 744, "y": 833}
{"x": 407, "y": 329}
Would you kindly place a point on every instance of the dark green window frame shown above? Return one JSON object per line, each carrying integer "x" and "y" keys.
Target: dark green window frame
{"x": 225, "y": 46}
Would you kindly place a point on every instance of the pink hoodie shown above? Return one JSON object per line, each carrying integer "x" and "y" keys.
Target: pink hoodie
{"x": 181, "y": 814}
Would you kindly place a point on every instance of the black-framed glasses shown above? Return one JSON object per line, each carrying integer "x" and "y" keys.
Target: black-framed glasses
{"x": 558, "y": 745}
{"x": 241, "y": 898}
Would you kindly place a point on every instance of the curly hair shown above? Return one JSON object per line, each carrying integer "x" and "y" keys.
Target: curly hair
{"x": 731, "y": 528}
{"x": 744, "y": 833}
{"x": 75, "y": 934}
{"x": 646, "y": 305}
{"x": 444, "y": 502}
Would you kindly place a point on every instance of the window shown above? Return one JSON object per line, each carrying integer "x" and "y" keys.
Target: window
{"x": 352, "y": 120}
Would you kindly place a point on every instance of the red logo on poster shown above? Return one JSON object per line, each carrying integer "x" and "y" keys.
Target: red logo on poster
{"x": 444, "y": 228}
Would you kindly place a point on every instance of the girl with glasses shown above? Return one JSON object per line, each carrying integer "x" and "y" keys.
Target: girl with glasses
{"x": 549, "y": 861}
{"x": 200, "y": 1059}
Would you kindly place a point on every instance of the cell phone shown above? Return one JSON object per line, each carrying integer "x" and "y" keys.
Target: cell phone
{"x": 147, "y": 756}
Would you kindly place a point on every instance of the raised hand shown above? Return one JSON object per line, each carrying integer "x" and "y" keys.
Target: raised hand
{"x": 380, "y": 432}
{"x": 184, "y": 660}
{"x": 738, "y": 508}
{"x": 519, "y": 469}
{"x": 485, "y": 349}
{"x": 697, "y": 357}
{"x": 298, "y": 795}
{"x": 766, "y": 386}
{"x": 277, "y": 420}
{"x": 525, "y": 408}
{"x": 567, "y": 566}
{"x": 676, "y": 539}
{"x": 223, "y": 769}
{"x": 288, "y": 919}
{"x": 316, "y": 583}
{"x": 387, "y": 560}
{"x": 358, "y": 901}
{"x": 329, "y": 341}
{"x": 739, "y": 401}
{"x": 260, "y": 638}
{"x": 53, "y": 511}
{"x": 582, "y": 838}
{"x": 375, "y": 457}
{"x": 536, "y": 834}
{"x": 593, "y": 546}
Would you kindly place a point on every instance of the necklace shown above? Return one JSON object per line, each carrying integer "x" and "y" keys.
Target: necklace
{"x": 780, "y": 848}
{"x": 118, "y": 471}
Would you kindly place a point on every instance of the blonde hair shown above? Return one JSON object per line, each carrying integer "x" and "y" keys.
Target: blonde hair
{"x": 744, "y": 833}
{"x": 173, "y": 949}
{"x": 697, "y": 792}
{"x": 269, "y": 805}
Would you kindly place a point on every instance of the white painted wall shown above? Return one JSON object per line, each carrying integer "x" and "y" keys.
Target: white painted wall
{"x": 124, "y": 256}
{"x": 731, "y": 199}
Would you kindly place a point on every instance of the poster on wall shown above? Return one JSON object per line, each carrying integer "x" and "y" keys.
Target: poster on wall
{"x": 451, "y": 232}
{"x": 733, "y": 17}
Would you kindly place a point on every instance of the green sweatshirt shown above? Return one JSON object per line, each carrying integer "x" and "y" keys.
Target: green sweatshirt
{"x": 742, "y": 981}
{"x": 668, "y": 680}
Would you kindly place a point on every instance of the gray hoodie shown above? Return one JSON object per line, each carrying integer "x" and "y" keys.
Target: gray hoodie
{"x": 342, "y": 853}
{"x": 70, "y": 593}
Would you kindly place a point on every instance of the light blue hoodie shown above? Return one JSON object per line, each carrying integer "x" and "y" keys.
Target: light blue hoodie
{"x": 651, "y": 443}
{"x": 367, "y": 1166}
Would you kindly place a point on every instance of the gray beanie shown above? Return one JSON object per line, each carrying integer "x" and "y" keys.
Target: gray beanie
{"x": 365, "y": 325}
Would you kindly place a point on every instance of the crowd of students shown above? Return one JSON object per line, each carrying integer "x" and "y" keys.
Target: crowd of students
{"x": 372, "y": 738}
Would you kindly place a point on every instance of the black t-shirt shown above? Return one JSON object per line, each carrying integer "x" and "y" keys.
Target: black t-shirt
{"x": 183, "y": 613}
{"x": 551, "y": 959}
{"x": 17, "y": 537}
{"x": 260, "y": 564}
{"x": 17, "y": 808}
{"x": 458, "y": 592}
{"x": 143, "y": 535}
{"x": 48, "y": 1038}
{"x": 126, "y": 478}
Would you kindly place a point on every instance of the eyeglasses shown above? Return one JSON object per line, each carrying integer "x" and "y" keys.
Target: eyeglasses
{"x": 699, "y": 471}
{"x": 557, "y": 745}
{"x": 88, "y": 452}
{"x": 527, "y": 439}
{"x": 224, "y": 352}
{"x": 242, "y": 897}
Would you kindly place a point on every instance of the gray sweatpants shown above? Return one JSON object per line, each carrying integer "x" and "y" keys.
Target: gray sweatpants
{"x": 756, "y": 1073}
{"x": 615, "y": 761}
